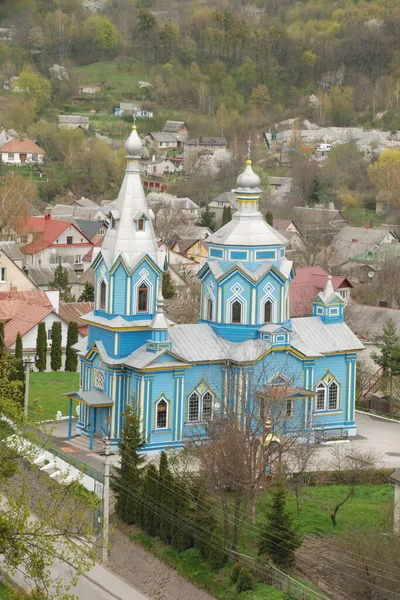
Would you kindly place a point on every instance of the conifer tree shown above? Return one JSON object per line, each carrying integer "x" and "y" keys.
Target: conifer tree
{"x": 181, "y": 539}
{"x": 61, "y": 283}
{"x": 127, "y": 480}
{"x": 148, "y": 519}
{"x": 279, "y": 539}
{"x": 71, "y": 359}
{"x": 19, "y": 351}
{"x": 228, "y": 214}
{"x": 167, "y": 497}
{"x": 207, "y": 219}
{"x": 388, "y": 356}
{"x": 224, "y": 216}
{"x": 2, "y": 339}
{"x": 168, "y": 288}
{"x": 203, "y": 521}
{"x": 87, "y": 294}
{"x": 269, "y": 217}
{"x": 56, "y": 353}
{"x": 41, "y": 347}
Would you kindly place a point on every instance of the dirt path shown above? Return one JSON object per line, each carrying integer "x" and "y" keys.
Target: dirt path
{"x": 149, "y": 574}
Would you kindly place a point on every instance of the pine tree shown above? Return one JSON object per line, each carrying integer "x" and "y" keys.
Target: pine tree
{"x": 168, "y": 288}
{"x": 224, "y": 216}
{"x": 2, "y": 339}
{"x": 279, "y": 539}
{"x": 181, "y": 539}
{"x": 203, "y": 521}
{"x": 127, "y": 480}
{"x": 87, "y": 294}
{"x": 71, "y": 359}
{"x": 166, "y": 480}
{"x": 388, "y": 356}
{"x": 207, "y": 219}
{"x": 56, "y": 353}
{"x": 61, "y": 283}
{"x": 19, "y": 352}
{"x": 41, "y": 347}
{"x": 269, "y": 217}
{"x": 149, "y": 519}
{"x": 228, "y": 214}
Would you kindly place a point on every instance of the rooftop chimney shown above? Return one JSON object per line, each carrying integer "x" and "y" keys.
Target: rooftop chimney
{"x": 47, "y": 217}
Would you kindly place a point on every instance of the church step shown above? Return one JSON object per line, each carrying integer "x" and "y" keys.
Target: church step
{"x": 82, "y": 442}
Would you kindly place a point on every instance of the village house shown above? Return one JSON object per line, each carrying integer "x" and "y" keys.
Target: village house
{"x": 73, "y": 311}
{"x": 194, "y": 249}
{"x": 310, "y": 219}
{"x": 133, "y": 110}
{"x": 93, "y": 230}
{"x": 224, "y": 200}
{"x": 21, "y": 152}
{"x": 43, "y": 277}
{"x": 74, "y": 211}
{"x": 178, "y": 128}
{"x": 166, "y": 204}
{"x": 289, "y": 230}
{"x": 157, "y": 166}
{"x": 11, "y": 269}
{"x": 45, "y": 241}
{"x": 73, "y": 122}
{"x": 21, "y": 313}
{"x": 279, "y": 186}
{"x": 192, "y": 149}
{"x": 354, "y": 241}
{"x": 89, "y": 89}
{"x": 307, "y": 283}
{"x": 162, "y": 141}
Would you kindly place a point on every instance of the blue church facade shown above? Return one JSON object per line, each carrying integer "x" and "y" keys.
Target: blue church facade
{"x": 181, "y": 376}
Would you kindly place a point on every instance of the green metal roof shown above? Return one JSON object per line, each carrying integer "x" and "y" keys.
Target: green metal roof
{"x": 378, "y": 254}
{"x": 92, "y": 398}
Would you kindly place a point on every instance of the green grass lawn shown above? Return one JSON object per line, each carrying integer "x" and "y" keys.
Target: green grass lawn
{"x": 370, "y": 507}
{"x": 45, "y": 393}
{"x": 122, "y": 80}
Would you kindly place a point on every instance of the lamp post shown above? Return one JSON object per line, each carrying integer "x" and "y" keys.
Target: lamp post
{"x": 28, "y": 362}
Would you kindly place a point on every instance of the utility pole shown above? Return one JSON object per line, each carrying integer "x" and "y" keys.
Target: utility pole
{"x": 106, "y": 498}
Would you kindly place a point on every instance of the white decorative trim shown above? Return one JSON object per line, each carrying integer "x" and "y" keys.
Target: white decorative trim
{"x": 236, "y": 290}
{"x": 98, "y": 291}
{"x": 167, "y": 417}
{"x": 268, "y": 295}
{"x": 128, "y": 295}
{"x": 144, "y": 278}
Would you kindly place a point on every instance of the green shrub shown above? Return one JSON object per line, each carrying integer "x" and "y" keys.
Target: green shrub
{"x": 245, "y": 581}
{"x": 237, "y": 567}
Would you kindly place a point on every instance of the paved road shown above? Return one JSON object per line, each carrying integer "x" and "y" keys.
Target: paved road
{"x": 373, "y": 433}
{"x": 98, "y": 584}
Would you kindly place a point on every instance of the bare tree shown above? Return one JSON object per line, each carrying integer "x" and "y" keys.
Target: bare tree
{"x": 298, "y": 461}
{"x": 353, "y": 467}
{"x": 244, "y": 442}
{"x": 15, "y": 190}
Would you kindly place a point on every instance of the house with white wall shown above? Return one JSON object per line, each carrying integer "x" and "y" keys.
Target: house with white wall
{"x": 21, "y": 152}
{"x": 45, "y": 241}
{"x": 11, "y": 272}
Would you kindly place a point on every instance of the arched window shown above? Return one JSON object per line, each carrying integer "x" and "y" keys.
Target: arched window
{"x": 333, "y": 396}
{"x": 320, "y": 399}
{"x": 209, "y": 309}
{"x": 103, "y": 295}
{"x": 268, "y": 311}
{"x": 161, "y": 414}
{"x": 236, "y": 312}
{"x": 143, "y": 294}
{"x": 206, "y": 413}
{"x": 193, "y": 408}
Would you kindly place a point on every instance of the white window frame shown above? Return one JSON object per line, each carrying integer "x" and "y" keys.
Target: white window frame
{"x": 99, "y": 379}
{"x": 189, "y": 417}
{"x": 167, "y": 415}
{"x": 326, "y": 388}
{"x": 98, "y": 295}
{"x": 203, "y": 420}
{"x": 77, "y": 259}
{"x": 11, "y": 156}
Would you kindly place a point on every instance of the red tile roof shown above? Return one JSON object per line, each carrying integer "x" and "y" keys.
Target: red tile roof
{"x": 38, "y": 297}
{"x": 24, "y": 146}
{"x": 20, "y": 317}
{"x": 73, "y": 311}
{"x": 308, "y": 282}
{"x": 45, "y": 231}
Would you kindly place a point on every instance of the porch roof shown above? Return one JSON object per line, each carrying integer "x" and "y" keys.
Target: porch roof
{"x": 91, "y": 398}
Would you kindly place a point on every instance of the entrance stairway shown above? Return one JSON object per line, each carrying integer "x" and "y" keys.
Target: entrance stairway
{"x": 82, "y": 442}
